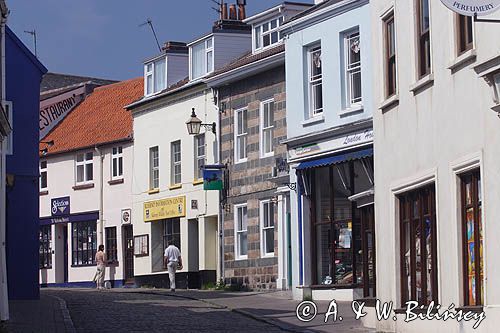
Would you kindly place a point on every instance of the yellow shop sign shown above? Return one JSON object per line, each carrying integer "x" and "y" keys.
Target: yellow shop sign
{"x": 164, "y": 209}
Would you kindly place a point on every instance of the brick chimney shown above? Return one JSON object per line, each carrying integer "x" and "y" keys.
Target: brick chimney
{"x": 175, "y": 47}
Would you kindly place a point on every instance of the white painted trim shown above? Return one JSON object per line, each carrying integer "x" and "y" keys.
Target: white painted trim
{"x": 237, "y": 256}
{"x": 398, "y": 187}
{"x": 263, "y": 254}
{"x": 458, "y": 167}
{"x": 236, "y": 155}
{"x": 261, "y": 129}
{"x": 84, "y": 163}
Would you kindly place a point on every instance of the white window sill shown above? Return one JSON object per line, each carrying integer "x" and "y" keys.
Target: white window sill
{"x": 241, "y": 258}
{"x": 266, "y": 155}
{"x": 389, "y": 102}
{"x": 268, "y": 255}
{"x": 352, "y": 109}
{"x": 313, "y": 120}
{"x": 465, "y": 57}
{"x": 422, "y": 83}
{"x": 241, "y": 161}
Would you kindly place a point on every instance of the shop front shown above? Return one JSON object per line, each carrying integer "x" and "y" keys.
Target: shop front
{"x": 336, "y": 217}
{"x": 169, "y": 221}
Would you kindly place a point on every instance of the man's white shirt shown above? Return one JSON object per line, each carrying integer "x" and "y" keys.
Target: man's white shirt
{"x": 172, "y": 253}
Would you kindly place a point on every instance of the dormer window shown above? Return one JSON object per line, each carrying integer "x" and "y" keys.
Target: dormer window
{"x": 202, "y": 58}
{"x": 155, "y": 76}
{"x": 266, "y": 34}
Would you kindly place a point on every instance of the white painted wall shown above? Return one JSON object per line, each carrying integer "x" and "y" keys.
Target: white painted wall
{"x": 61, "y": 179}
{"x": 159, "y": 124}
{"x": 428, "y": 134}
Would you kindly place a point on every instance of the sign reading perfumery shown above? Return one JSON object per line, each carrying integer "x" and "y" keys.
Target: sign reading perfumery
{"x": 54, "y": 109}
{"x": 60, "y": 206}
{"x": 165, "y": 209}
{"x": 471, "y": 7}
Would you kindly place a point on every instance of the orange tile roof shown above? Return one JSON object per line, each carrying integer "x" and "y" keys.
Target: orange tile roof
{"x": 99, "y": 119}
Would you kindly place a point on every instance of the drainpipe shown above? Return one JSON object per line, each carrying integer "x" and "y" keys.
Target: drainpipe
{"x": 215, "y": 94}
{"x": 4, "y": 298}
{"x": 100, "y": 239}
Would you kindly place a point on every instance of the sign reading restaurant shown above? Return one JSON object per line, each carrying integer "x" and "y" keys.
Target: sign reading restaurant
{"x": 471, "y": 7}
{"x": 164, "y": 209}
{"x": 55, "y": 109}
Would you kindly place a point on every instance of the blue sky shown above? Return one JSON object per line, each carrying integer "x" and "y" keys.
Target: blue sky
{"x": 102, "y": 38}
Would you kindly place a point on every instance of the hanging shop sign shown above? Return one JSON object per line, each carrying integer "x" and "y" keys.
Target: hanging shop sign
{"x": 165, "y": 209}
{"x": 472, "y": 7}
{"x": 213, "y": 180}
{"x": 55, "y": 109}
{"x": 126, "y": 216}
{"x": 60, "y": 206}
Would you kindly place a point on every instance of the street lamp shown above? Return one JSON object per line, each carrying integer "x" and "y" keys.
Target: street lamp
{"x": 194, "y": 125}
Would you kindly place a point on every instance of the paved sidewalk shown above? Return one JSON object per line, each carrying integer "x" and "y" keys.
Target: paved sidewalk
{"x": 276, "y": 308}
{"x": 45, "y": 315}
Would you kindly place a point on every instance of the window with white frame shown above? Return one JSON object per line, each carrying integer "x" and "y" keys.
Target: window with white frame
{"x": 267, "y": 222}
{"x": 267, "y": 34}
{"x": 241, "y": 233}
{"x": 315, "y": 81}
{"x": 266, "y": 127}
{"x": 155, "y": 76}
{"x": 200, "y": 152}
{"x": 241, "y": 132}
{"x": 175, "y": 167}
{"x": 202, "y": 58}
{"x": 43, "y": 175}
{"x": 352, "y": 56}
{"x": 154, "y": 168}
{"x": 117, "y": 163}
{"x": 84, "y": 168}
{"x": 9, "y": 141}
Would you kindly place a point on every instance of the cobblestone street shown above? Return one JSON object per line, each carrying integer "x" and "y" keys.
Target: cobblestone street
{"x": 111, "y": 311}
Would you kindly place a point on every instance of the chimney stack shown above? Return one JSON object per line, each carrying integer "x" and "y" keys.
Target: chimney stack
{"x": 175, "y": 47}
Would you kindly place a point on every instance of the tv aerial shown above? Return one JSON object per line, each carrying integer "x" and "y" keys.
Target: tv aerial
{"x": 150, "y": 23}
{"x": 33, "y": 34}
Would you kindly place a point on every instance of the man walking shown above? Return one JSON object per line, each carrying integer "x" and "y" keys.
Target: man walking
{"x": 173, "y": 261}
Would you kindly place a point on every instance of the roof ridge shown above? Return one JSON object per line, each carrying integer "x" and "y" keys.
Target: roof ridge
{"x": 109, "y": 86}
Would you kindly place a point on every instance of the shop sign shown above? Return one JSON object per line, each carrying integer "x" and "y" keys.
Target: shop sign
{"x": 354, "y": 139}
{"x": 60, "y": 206}
{"x": 471, "y": 7}
{"x": 53, "y": 110}
{"x": 212, "y": 180}
{"x": 165, "y": 209}
{"x": 126, "y": 216}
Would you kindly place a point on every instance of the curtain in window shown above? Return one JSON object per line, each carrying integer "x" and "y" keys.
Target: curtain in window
{"x": 197, "y": 60}
{"x": 159, "y": 75}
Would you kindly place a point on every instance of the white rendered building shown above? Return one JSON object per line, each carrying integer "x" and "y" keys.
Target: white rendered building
{"x": 436, "y": 162}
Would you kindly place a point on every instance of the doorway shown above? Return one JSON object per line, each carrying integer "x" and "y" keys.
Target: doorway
{"x": 368, "y": 250}
{"x": 128, "y": 253}
{"x": 65, "y": 242}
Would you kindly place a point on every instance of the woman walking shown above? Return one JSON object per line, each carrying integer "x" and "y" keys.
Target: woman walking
{"x": 100, "y": 259}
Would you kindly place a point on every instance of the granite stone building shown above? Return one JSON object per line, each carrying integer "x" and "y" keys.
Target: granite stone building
{"x": 250, "y": 95}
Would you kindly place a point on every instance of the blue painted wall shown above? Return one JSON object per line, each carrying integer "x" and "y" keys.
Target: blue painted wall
{"x": 23, "y": 75}
{"x": 328, "y": 30}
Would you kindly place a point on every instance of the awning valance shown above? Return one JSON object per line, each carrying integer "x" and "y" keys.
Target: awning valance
{"x": 336, "y": 159}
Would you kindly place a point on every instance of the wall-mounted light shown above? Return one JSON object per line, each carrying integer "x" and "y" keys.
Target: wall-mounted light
{"x": 45, "y": 150}
{"x": 194, "y": 125}
{"x": 490, "y": 72}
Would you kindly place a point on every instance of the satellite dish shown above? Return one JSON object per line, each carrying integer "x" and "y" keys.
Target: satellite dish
{"x": 472, "y": 7}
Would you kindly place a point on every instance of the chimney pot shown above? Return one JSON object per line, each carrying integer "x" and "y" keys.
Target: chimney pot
{"x": 224, "y": 11}
{"x": 241, "y": 12}
{"x": 232, "y": 12}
